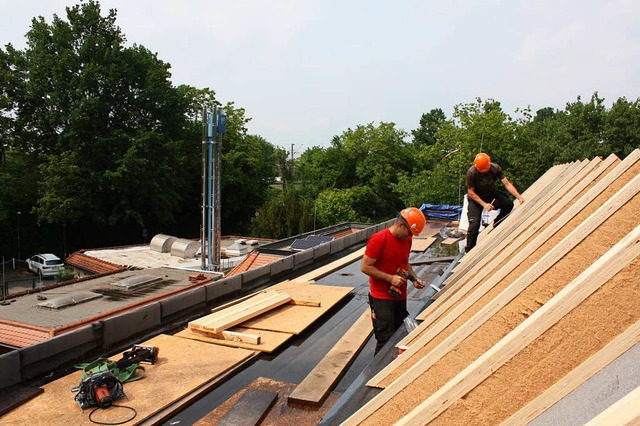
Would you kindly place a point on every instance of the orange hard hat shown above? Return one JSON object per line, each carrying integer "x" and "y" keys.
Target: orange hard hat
{"x": 482, "y": 162}
{"x": 414, "y": 219}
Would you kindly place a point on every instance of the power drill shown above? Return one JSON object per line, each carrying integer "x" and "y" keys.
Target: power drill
{"x": 404, "y": 274}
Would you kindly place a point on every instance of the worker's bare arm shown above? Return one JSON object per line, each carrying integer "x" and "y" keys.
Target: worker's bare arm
{"x": 512, "y": 189}
{"x": 368, "y": 267}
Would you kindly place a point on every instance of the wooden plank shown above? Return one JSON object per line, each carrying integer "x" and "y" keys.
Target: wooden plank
{"x": 448, "y": 242}
{"x": 544, "y": 184}
{"x": 421, "y": 244}
{"x": 625, "y": 412}
{"x": 269, "y": 340}
{"x": 234, "y": 336}
{"x": 295, "y": 319}
{"x": 479, "y": 275}
{"x": 507, "y": 248}
{"x": 222, "y": 320}
{"x": 605, "y": 268}
{"x": 305, "y": 302}
{"x": 321, "y": 380}
{"x": 484, "y": 314}
{"x": 571, "y": 381}
{"x": 164, "y": 384}
{"x": 333, "y": 266}
{"x": 486, "y": 250}
{"x": 251, "y": 408}
{"x": 533, "y": 273}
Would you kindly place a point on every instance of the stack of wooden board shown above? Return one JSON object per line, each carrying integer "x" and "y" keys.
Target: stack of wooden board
{"x": 266, "y": 320}
{"x": 540, "y": 305}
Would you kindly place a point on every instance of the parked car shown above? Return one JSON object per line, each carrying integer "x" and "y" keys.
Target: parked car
{"x": 46, "y": 265}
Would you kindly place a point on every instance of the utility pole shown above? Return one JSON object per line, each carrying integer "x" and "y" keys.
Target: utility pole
{"x": 214, "y": 125}
{"x": 18, "y": 215}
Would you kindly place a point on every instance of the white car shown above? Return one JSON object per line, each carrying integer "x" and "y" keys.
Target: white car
{"x": 45, "y": 265}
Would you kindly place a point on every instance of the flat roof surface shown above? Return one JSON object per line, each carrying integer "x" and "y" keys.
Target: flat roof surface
{"x": 25, "y": 309}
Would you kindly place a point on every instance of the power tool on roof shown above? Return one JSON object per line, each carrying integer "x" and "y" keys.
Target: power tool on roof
{"x": 139, "y": 354}
{"x": 404, "y": 274}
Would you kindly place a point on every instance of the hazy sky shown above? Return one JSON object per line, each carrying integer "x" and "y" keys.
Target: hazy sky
{"x": 307, "y": 70}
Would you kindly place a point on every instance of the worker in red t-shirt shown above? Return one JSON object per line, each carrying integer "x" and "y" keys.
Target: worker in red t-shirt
{"x": 386, "y": 252}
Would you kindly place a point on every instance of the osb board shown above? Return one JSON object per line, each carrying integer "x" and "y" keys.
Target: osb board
{"x": 294, "y": 318}
{"x": 165, "y": 382}
{"x": 583, "y": 332}
{"x": 269, "y": 340}
{"x": 281, "y": 414}
{"x": 15, "y": 396}
{"x": 421, "y": 244}
{"x": 514, "y": 313}
{"x": 627, "y": 213}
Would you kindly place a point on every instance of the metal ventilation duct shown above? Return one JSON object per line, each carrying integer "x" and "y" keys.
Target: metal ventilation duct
{"x": 70, "y": 299}
{"x": 136, "y": 282}
{"x": 162, "y": 243}
{"x": 185, "y": 248}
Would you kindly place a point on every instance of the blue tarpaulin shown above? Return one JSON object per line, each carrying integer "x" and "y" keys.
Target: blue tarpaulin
{"x": 441, "y": 211}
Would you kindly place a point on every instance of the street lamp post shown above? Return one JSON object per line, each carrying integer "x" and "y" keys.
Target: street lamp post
{"x": 18, "y": 215}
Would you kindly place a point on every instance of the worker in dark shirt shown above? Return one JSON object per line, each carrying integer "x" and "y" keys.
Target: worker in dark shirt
{"x": 482, "y": 194}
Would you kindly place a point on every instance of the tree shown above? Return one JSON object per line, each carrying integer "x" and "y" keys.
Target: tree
{"x": 103, "y": 120}
{"x": 621, "y": 132}
{"x": 430, "y": 123}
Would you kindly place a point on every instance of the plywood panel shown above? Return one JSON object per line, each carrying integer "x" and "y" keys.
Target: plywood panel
{"x": 421, "y": 244}
{"x": 293, "y": 318}
{"x": 170, "y": 379}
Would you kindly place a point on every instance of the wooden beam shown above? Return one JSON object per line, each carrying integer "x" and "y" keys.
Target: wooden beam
{"x": 236, "y": 314}
{"x": 522, "y": 282}
{"x": 486, "y": 250}
{"x": 533, "y": 273}
{"x": 333, "y": 266}
{"x": 305, "y": 302}
{"x": 479, "y": 275}
{"x": 571, "y": 381}
{"x": 605, "y": 268}
{"x": 625, "y": 412}
{"x": 322, "y": 379}
{"x": 507, "y": 231}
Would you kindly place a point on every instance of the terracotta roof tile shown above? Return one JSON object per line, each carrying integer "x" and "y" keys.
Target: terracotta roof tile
{"x": 252, "y": 261}
{"x": 21, "y": 337}
{"x": 91, "y": 264}
{"x": 345, "y": 232}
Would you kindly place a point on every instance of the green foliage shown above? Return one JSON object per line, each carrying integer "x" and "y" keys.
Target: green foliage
{"x": 285, "y": 213}
{"x": 354, "y": 204}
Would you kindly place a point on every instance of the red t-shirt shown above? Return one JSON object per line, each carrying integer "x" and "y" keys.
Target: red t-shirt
{"x": 390, "y": 254}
